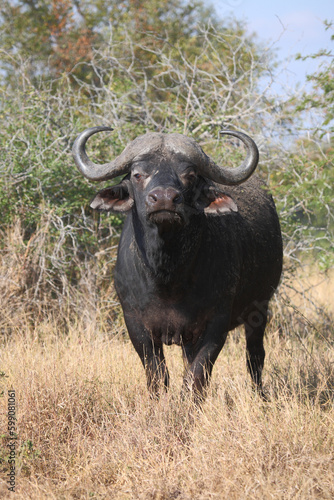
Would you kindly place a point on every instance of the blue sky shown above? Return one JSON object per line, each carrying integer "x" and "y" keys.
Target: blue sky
{"x": 291, "y": 26}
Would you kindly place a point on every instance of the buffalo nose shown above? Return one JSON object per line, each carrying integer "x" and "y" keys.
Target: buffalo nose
{"x": 164, "y": 198}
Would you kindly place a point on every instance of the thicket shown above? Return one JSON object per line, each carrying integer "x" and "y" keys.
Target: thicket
{"x": 67, "y": 65}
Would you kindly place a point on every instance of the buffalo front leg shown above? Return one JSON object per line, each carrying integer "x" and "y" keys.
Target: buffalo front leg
{"x": 151, "y": 355}
{"x": 156, "y": 370}
{"x": 199, "y": 359}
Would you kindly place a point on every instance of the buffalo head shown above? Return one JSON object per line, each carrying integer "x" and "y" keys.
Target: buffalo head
{"x": 168, "y": 178}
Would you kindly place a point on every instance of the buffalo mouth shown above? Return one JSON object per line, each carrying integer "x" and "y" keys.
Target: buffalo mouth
{"x": 166, "y": 218}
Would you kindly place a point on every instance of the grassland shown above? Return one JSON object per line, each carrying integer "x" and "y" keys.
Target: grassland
{"x": 87, "y": 428}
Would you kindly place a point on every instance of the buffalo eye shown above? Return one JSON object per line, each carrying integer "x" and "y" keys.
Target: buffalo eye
{"x": 137, "y": 176}
{"x": 189, "y": 176}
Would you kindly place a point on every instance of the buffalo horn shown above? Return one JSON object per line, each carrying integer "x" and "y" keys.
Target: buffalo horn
{"x": 233, "y": 176}
{"x": 94, "y": 171}
{"x": 152, "y": 142}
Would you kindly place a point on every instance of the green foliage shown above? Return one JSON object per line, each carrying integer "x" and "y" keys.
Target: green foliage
{"x": 37, "y": 167}
{"x": 56, "y": 36}
{"x": 43, "y": 194}
{"x": 45, "y": 35}
{"x": 305, "y": 184}
{"x": 321, "y": 97}
{"x": 304, "y": 193}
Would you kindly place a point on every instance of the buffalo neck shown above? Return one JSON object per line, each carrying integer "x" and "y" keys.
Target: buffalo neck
{"x": 170, "y": 256}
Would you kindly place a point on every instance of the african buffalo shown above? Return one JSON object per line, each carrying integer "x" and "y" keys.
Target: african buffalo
{"x": 200, "y": 252}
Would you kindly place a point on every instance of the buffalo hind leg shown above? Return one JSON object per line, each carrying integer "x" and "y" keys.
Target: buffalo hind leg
{"x": 255, "y": 326}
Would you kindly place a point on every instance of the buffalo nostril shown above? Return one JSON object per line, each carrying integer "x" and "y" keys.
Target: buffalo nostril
{"x": 152, "y": 198}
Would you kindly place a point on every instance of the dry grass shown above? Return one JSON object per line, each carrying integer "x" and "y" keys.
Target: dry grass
{"x": 308, "y": 284}
{"x": 87, "y": 428}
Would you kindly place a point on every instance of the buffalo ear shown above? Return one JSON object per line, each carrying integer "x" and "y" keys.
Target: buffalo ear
{"x": 222, "y": 204}
{"x": 217, "y": 202}
{"x": 113, "y": 199}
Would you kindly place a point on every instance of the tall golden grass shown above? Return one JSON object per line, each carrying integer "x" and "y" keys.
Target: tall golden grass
{"x": 88, "y": 429}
